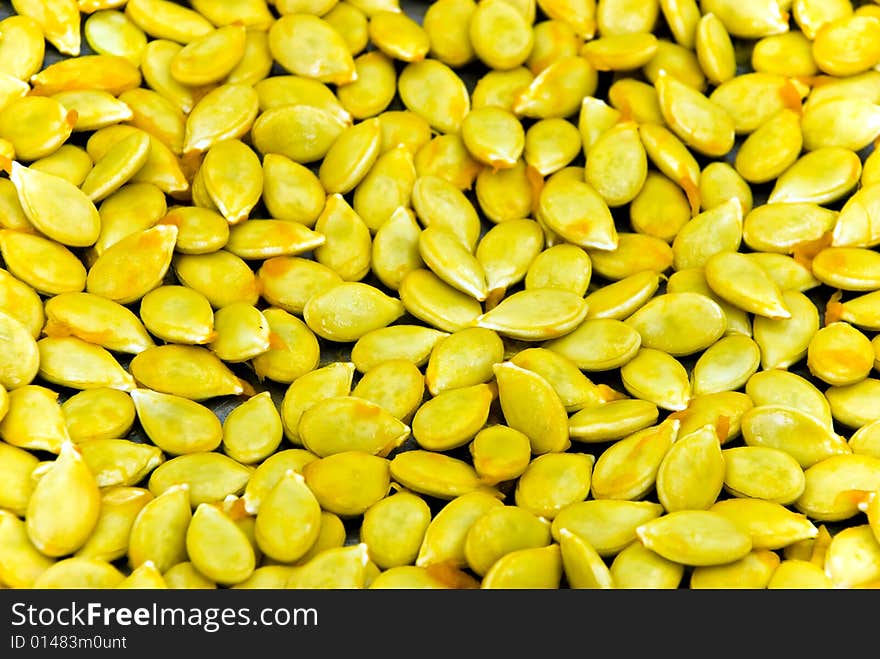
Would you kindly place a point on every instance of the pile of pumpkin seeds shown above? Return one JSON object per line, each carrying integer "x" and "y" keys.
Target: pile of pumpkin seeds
{"x": 471, "y": 293}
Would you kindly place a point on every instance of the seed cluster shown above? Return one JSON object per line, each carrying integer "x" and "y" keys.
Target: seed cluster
{"x": 496, "y": 293}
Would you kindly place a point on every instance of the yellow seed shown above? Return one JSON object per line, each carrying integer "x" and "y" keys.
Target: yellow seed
{"x": 347, "y": 423}
{"x": 432, "y": 90}
{"x": 558, "y": 90}
{"x": 606, "y": 524}
{"x": 394, "y": 528}
{"x": 658, "y": 323}
{"x": 325, "y": 58}
{"x": 335, "y": 568}
{"x": 64, "y": 506}
{"x": 753, "y": 571}
{"x": 639, "y": 567}
{"x": 620, "y": 52}
{"x": 189, "y": 371}
{"x": 695, "y": 537}
{"x": 210, "y": 477}
{"x": 865, "y": 440}
{"x": 500, "y": 531}
{"x": 120, "y": 506}
{"x": 612, "y": 420}
{"x": 853, "y": 404}
{"x": 119, "y": 461}
{"x": 856, "y": 226}
{"x": 348, "y": 483}
{"x": 289, "y": 519}
{"x": 784, "y": 341}
{"x": 386, "y": 187}
{"x": 673, "y": 159}
{"x": 20, "y": 362}
{"x": 177, "y": 425}
{"x": 184, "y": 575}
{"x": 678, "y": 61}
{"x": 770, "y": 525}
{"x": 726, "y": 365}
{"x": 468, "y": 406}
{"x": 658, "y": 377}
{"x": 158, "y": 533}
{"x": 762, "y": 472}
{"x": 786, "y": 388}
{"x": 22, "y": 47}
{"x": 840, "y": 354}
{"x": 660, "y": 209}
{"x": 691, "y": 474}
{"x": 803, "y": 437}
{"x": 111, "y": 32}
{"x": 100, "y": 413}
{"x": 436, "y": 474}
{"x": 34, "y": 419}
{"x": 847, "y": 268}
{"x": 724, "y": 409}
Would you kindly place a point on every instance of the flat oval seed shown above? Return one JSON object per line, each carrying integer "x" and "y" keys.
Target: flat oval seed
{"x": 506, "y": 252}
{"x": 618, "y": 147}
{"x": 829, "y": 478}
{"x": 347, "y": 423}
{"x": 433, "y": 91}
{"x": 532, "y": 406}
{"x": 746, "y": 285}
{"x": 658, "y": 377}
{"x": 282, "y": 130}
{"x": 708, "y": 233}
{"x": 669, "y": 154}
{"x": 67, "y": 486}
{"x": 553, "y": 481}
{"x": 598, "y": 344}
{"x": 435, "y": 474}
{"x": 535, "y": 314}
{"x": 854, "y": 405}
{"x": 335, "y": 568}
{"x": 100, "y": 413}
{"x": 628, "y": 469}
{"x": 119, "y": 461}
{"x": 501, "y": 88}
{"x": 701, "y": 124}
{"x": 763, "y": 472}
{"x": 34, "y": 419}
{"x": 608, "y": 525}
{"x": 394, "y": 528}
{"x": 230, "y": 561}
{"x": 821, "y": 176}
{"x": 866, "y": 440}
{"x": 109, "y": 73}
{"x": 620, "y": 262}
{"x": 669, "y": 323}
{"x": 94, "y": 108}
{"x": 36, "y": 126}
{"x": 429, "y": 299}
{"x": 438, "y": 203}
{"x": 348, "y": 483}
{"x": 500, "y": 453}
{"x": 856, "y": 225}
{"x": 329, "y": 381}
{"x": 226, "y": 112}
{"x": 293, "y": 348}
{"x": 177, "y": 425}
{"x": 853, "y": 558}
{"x": 444, "y": 538}
{"x": 561, "y": 266}
{"x": 452, "y": 262}
{"x": 786, "y": 388}
{"x": 178, "y": 314}
{"x": 719, "y": 183}
{"x": 411, "y": 342}
{"x": 538, "y": 567}
{"x": 77, "y": 572}
{"x": 612, "y": 420}
{"x": 374, "y": 88}
{"x": 134, "y": 207}
{"x": 199, "y": 230}
{"x": 71, "y": 362}
{"x": 499, "y": 532}
{"x": 783, "y": 227}
{"x": 770, "y": 525}
{"x": 16, "y": 467}
{"x": 20, "y": 361}
{"x": 348, "y": 311}
{"x": 117, "y": 166}
{"x": 576, "y": 211}
{"x": 291, "y": 191}
{"x": 158, "y": 533}
{"x": 551, "y": 144}
{"x": 289, "y": 519}
{"x": 209, "y": 57}
{"x": 351, "y": 156}
{"x": 714, "y": 49}
{"x": 753, "y": 98}
{"x": 210, "y": 477}
{"x": 188, "y": 371}
{"x": 134, "y": 266}
{"x": 241, "y": 333}
{"x": 445, "y": 156}
{"x": 804, "y": 438}
{"x": 695, "y": 537}
{"x": 506, "y": 194}
{"x": 23, "y": 46}
{"x": 691, "y": 474}
{"x": 639, "y": 567}
{"x": 574, "y": 389}
{"x": 287, "y": 282}
{"x": 22, "y": 563}
{"x": 462, "y": 359}
{"x": 726, "y": 365}
{"x": 266, "y": 238}
{"x": 753, "y": 571}
{"x": 96, "y": 320}
{"x": 395, "y": 248}
{"x": 500, "y": 35}
{"x": 558, "y": 90}
{"x": 396, "y": 385}
{"x": 784, "y": 341}
{"x": 321, "y": 53}
{"x": 839, "y": 354}
{"x": 847, "y": 268}
{"x": 432, "y": 425}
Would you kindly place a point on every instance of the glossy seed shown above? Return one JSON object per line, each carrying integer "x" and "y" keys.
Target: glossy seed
{"x": 432, "y": 90}
{"x": 726, "y": 365}
{"x": 658, "y": 377}
{"x": 188, "y": 371}
{"x": 348, "y": 423}
{"x": 468, "y": 406}
{"x": 638, "y": 567}
{"x": 394, "y": 528}
{"x": 678, "y": 486}
{"x": 71, "y": 362}
{"x": 348, "y": 483}
{"x": 177, "y": 425}
{"x": 847, "y": 268}
{"x": 608, "y": 525}
{"x": 435, "y": 474}
{"x": 34, "y": 419}
{"x": 612, "y": 420}
{"x": 854, "y": 404}
{"x": 701, "y": 124}
{"x": 763, "y": 472}
{"x": 210, "y": 477}
{"x": 289, "y": 518}
{"x": 806, "y": 439}
{"x": 784, "y": 341}
{"x": 695, "y": 537}
{"x": 753, "y": 571}
{"x": 67, "y": 486}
